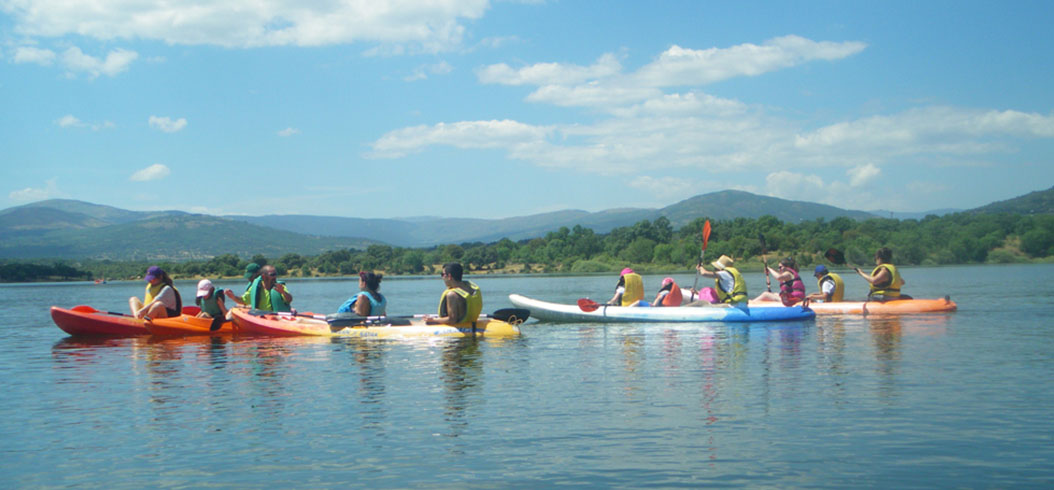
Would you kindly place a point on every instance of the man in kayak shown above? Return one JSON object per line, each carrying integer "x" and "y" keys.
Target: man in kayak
{"x": 731, "y": 288}
{"x": 832, "y": 288}
{"x": 461, "y": 302}
{"x": 885, "y": 280}
{"x": 161, "y": 299}
{"x": 267, "y": 292}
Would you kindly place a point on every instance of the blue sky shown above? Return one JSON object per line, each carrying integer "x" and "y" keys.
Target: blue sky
{"x": 492, "y": 109}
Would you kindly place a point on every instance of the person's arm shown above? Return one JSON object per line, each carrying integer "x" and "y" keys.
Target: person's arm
{"x": 455, "y": 309}
{"x": 362, "y": 306}
{"x": 230, "y": 294}
{"x": 880, "y": 277}
{"x": 280, "y": 287}
{"x": 222, "y": 304}
{"x": 705, "y": 273}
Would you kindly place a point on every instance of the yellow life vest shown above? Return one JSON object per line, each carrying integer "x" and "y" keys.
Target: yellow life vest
{"x": 634, "y": 288}
{"x": 739, "y": 290}
{"x": 891, "y": 289}
{"x": 839, "y": 286}
{"x": 473, "y": 302}
{"x": 152, "y": 291}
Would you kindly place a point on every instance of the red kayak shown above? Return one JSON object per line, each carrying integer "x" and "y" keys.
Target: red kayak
{"x": 83, "y": 320}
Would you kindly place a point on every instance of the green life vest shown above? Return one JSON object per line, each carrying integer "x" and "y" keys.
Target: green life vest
{"x": 890, "y": 289}
{"x": 473, "y": 302}
{"x": 266, "y": 299}
{"x": 839, "y": 286}
{"x": 739, "y": 289}
{"x": 211, "y": 303}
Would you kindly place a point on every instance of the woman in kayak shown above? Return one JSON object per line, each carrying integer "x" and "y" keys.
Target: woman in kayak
{"x": 374, "y": 304}
{"x": 669, "y": 294}
{"x": 210, "y": 300}
{"x": 792, "y": 289}
{"x": 885, "y": 280}
{"x": 629, "y": 291}
{"x": 729, "y": 284}
{"x": 161, "y": 299}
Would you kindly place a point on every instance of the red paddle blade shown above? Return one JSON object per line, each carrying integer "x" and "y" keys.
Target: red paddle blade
{"x": 835, "y": 256}
{"x": 587, "y": 305}
{"x": 84, "y": 309}
{"x": 706, "y": 233}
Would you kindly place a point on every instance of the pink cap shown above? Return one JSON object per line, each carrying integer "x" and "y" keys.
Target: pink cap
{"x": 204, "y": 288}
{"x": 668, "y": 280}
{"x": 626, "y": 271}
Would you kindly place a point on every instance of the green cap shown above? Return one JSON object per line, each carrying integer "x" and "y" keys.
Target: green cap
{"x": 251, "y": 269}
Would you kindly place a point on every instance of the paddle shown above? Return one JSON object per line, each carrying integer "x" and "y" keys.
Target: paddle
{"x": 587, "y": 305}
{"x": 835, "y": 256}
{"x": 764, "y": 261}
{"x": 706, "y": 239}
{"x": 89, "y": 309}
{"x": 514, "y": 316}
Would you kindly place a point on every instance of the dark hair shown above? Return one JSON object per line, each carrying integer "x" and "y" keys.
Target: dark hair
{"x": 372, "y": 280}
{"x": 789, "y": 262}
{"x": 454, "y": 270}
{"x": 885, "y": 254}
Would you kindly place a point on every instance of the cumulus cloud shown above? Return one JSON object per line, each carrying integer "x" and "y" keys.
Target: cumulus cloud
{"x": 71, "y": 121}
{"x": 428, "y": 25}
{"x": 422, "y": 72}
{"x": 288, "y": 132}
{"x": 549, "y": 73}
{"x": 167, "y": 124}
{"x": 77, "y": 62}
{"x": 863, "y": 174}
{"x": 467, "y": 134}
{"x": 156, "y": 171}
{"x": 31, "y": 194}
{"x": 30, "y": 54}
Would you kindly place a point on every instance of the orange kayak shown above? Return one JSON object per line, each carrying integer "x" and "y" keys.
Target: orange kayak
{"x": 83, "y": 320}
{"x": 187, "y": 325}
{"x": 895, "y": 307}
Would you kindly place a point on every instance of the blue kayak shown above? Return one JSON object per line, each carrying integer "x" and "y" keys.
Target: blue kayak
{"x": 557, "y": 312}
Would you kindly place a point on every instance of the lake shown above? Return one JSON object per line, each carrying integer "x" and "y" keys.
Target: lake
{"x": 948, "y": 400}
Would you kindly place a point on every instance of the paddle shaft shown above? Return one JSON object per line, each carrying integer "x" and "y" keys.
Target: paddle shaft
{"x": 765, "y": 263}
{"x": 706, "y": 240}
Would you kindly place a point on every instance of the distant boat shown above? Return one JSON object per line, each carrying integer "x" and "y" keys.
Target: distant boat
{"x": 100, "y": 281}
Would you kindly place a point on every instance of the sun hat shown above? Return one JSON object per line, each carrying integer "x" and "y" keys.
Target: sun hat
{"x": 204, "y": 288}
{"x": 154, "y": 272}
{"x": 820, "y": 270}
{"x": 722, "y": 262}
{"x": 626, "y": 271}
{"x": 251, "y": 269}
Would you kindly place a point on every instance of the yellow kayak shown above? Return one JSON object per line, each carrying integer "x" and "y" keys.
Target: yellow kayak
{"x": 266, "y": 323}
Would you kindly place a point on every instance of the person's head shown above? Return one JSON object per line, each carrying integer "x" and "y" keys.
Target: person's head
{"x": 370, "y": 280}
{"x": 453, "y": 270}
{"x": 269, "y": 274}
{"x": 252, "y": 270}
{"x": 821, "y": 270}
{"x": 155, "y": 275}
{"x": 626, "y": 271}
{"x": 667, "y": 284}
{"x": 722, "y": 262}
{"x": 884, "y": 255}
{"x": 789, "y": 263}
{"x": 205, "y": 288}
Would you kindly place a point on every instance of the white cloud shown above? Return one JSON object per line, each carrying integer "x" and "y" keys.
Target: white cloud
{"x": 287, "y": 132}
{"x": 166, "y": 123}
{"x": 549, "y": 73}
{"x": 863, "y": 174}
{"x": 422, "y": 72}
{"x": 77, "y": 62}
{"x": 156, "y": 171}
{"x": 29, "y": 54}
{"x": 427, "y": 25}
{"x": 30, "y": 194}
{"x": 71, "y": 121}
{"x": 467, "y": 134}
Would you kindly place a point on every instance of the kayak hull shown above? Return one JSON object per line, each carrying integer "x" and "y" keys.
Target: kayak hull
{"x": 187, "y": 325}
{"x": 86, "y": 321}
{"x": 896, "y": 307}
{"x": 556, "y": 312}
{"x": 286, "y": 325}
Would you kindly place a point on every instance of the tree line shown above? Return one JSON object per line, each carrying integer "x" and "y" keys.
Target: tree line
{"x": 647, "y": 245}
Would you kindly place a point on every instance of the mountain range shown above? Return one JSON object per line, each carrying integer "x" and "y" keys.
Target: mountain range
{"x": 60, "y": 228}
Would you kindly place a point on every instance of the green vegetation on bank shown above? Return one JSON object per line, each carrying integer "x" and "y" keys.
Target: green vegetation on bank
{"x": 654, "y": 246}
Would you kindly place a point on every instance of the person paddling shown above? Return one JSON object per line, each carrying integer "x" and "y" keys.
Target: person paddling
{"x": 461, "y": 302}
{"x": 792, "y": 289}
{"x": 161, "y": 299}
{"x": 729, "y": 284}
{"x": 885, "y": 279}
{"x": 629, "y": 291}
{"x": 368, "y": 301}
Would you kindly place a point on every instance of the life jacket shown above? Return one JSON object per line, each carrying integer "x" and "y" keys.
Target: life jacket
{"x": 739, "y": 289}
{"x": 634, "y": 289}
{"x": 377, "y": 308}
{"x": 674, "y": 297}
{"x": 839, "y": 286}
{"x": 211, "y": 304}
{"x": 152, "y": 292}
{"x": 792, "y": 291}
{"x": 274, "y": 300}
{"x": 890, "y": 289}
{"x": 473, "y": 302}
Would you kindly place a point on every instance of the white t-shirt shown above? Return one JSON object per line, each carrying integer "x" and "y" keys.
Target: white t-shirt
{"x": 827, "y": 286}
{"x": 167, "y": 296}
{"x": 727, "y": 281}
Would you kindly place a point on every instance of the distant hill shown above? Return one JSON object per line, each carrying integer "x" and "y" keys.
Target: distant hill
{"x": 61, "y": 228}
{"x": 1038, "y": 202}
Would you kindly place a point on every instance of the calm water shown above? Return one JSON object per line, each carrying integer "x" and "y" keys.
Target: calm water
{"x": 959, "y": 400}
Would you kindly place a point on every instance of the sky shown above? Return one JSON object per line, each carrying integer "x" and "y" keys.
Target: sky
{"x": 494, "y": 109}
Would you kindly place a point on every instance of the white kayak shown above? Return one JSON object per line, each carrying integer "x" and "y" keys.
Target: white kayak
{"x": 558, "y": 312}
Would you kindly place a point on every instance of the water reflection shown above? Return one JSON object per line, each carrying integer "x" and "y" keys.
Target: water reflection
{"x": 462, "y": 368}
